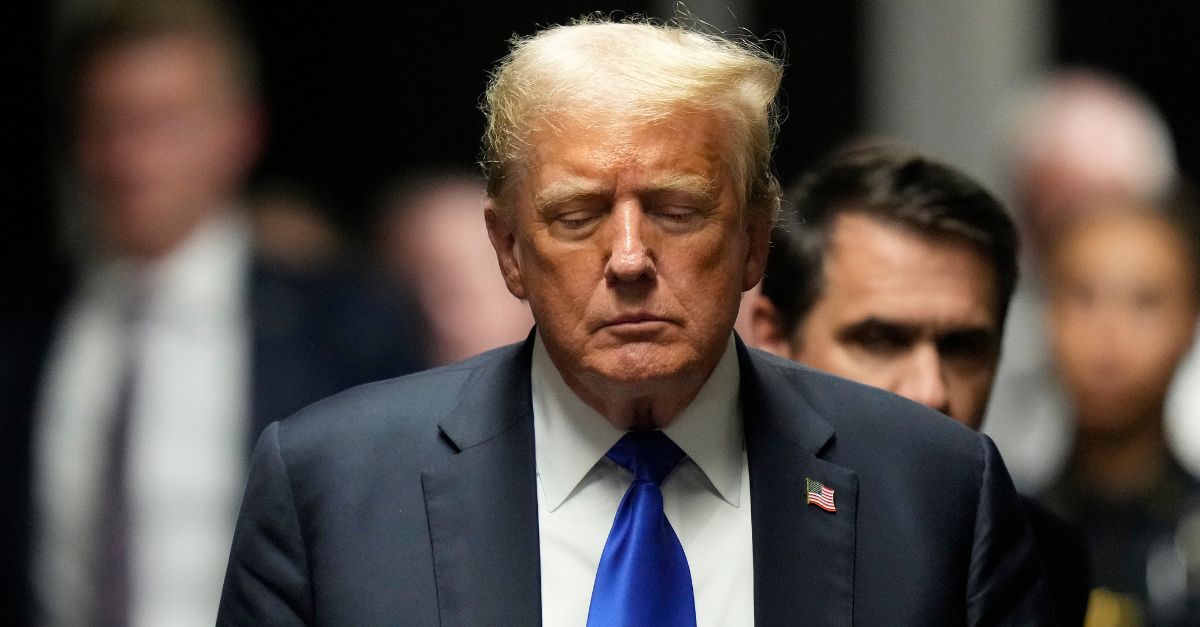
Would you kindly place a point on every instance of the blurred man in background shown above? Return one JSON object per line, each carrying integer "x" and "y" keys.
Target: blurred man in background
{"x": 172, "y": 345}
{"x": 1077, "y": 135}
{"x": 1124, "y": 293}
{"x": 430, "y": 236}
{"x": 896, "y": 271}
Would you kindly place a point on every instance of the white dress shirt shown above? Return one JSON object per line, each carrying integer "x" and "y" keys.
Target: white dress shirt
{"x": 706, "y": 497}
{"x": 187, "y": 430}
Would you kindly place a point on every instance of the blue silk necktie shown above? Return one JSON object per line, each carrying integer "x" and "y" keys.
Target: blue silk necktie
{"x": 643, "y": 579}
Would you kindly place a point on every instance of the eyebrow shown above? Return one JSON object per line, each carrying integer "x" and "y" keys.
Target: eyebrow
{"x": 561, "y": 192}
{"x": 902, "y": 330}
{"x": 910, "y": 330}
{"x": 691, "y": 184}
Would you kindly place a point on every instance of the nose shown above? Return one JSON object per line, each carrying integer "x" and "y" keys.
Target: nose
{"x": 630, "y": 259}
{"x": 923, "y": 380}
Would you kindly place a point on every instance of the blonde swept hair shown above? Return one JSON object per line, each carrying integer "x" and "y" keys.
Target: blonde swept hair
{"x": 596, "y": 71}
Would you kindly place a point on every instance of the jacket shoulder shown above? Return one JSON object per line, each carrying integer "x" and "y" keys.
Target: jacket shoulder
{"x": 401, "y": 414}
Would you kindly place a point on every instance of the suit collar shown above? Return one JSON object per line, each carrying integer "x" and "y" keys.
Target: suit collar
{"x": 496, "y": 398}
{"x": 779, "y": 402}
{"x": 803, "y": 555}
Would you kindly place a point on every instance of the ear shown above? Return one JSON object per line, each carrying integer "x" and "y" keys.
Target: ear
{"x": 766, "y": 328}
{"x": 504, "y": 241}
{"x": 758, "y": 232}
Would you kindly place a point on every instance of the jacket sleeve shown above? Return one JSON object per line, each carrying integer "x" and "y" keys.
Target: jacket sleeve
{"x": 267, "y": 581}
{"x": 1006, "y": 585}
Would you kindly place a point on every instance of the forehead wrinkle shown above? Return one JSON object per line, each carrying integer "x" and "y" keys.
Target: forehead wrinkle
{"x": 910, "y": 280}
{"x": 937, "y": 309}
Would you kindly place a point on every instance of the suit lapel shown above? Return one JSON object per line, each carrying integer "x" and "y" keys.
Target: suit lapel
{"x": 482, "y": 504}
{"x": 803, "y": 555}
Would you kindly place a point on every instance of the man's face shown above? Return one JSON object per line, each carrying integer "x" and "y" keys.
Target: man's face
{"x": 162, "y": 137}
{"x": 632, "y": 249}
{"x": 1122, "y": 315}
{"x": 910, "y": 314}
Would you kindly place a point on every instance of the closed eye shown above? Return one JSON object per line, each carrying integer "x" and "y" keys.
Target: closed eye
{"x": 573, "y": 220}
{"x": 679, "y": 208}
{"x": 676, "y": 213}
{"x": 577, "y": 216}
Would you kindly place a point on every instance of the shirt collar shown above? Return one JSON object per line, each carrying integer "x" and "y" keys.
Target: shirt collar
{"x": 202, "y": 278}
{"x": 571, "y": 436}
{"x": 207, "y": 272}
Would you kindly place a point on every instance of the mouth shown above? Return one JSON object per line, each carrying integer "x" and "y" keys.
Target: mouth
{"x": 635, "y": 322}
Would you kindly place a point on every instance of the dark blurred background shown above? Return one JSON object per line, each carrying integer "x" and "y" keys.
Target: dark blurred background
{"x": 362, "y": 91}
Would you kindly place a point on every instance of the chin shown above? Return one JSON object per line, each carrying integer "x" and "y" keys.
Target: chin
{"x": 642, "y": 364}
{"x": 1109, "y": 421}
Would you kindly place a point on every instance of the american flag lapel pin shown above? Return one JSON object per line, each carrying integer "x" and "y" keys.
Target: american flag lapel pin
{"x": 820, "y": 495}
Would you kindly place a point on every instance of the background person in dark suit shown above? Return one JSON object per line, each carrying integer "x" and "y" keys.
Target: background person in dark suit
{"x": 135, "y": 387}
{"x": 895, "y": 270}
{"x": 630, "y": 203}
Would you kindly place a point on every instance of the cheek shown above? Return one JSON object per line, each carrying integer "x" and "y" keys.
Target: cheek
{"x": 708, "y": 277}
{"x": 880, "y": 374}
{"x": 1072, "y": 335}
{"x": 971, "y": 387}
{"x": 1075, "y": 353}
{"x": 558, "y": 285}
{"x": 1157, "y": 351}
{"x": 817, "y": 348}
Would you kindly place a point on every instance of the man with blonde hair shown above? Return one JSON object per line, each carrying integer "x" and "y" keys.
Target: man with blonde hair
{"x": 630, "y": 463}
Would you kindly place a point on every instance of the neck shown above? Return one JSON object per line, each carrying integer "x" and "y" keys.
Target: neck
{"x": 1121, "y": 465}
{"x": 641, "y": 406}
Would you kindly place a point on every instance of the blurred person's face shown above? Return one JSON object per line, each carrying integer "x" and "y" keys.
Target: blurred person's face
{"x": 1088, "y": 141}
{"x": 909, "y": 314}
{"x": 632, "y": 249}
{"x": 1055, "y": 189}
{"x": 1122, "y": 314}
{"x": 439, "y": 246}
{"x": 164, "y": 137}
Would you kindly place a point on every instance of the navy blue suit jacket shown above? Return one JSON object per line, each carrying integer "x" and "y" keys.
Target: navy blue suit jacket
{"x": 412, "y": 502}
{"x": 314, "y": 333}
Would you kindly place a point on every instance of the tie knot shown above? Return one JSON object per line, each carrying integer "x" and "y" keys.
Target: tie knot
{"x": 649, "y": 455}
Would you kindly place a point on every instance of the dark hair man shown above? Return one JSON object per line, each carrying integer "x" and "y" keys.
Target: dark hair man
{"x": 630, "y": 463}
{"x": 895, "y": 270}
